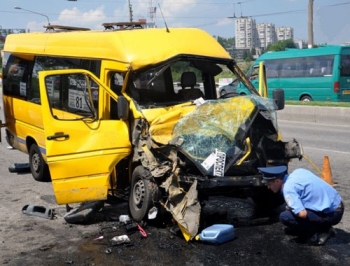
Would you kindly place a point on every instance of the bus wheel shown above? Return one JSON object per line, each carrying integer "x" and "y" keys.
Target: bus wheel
{"x": 306, "y": 99}
{"x": 141, "y": 194}
{"x": 38, "y": 166}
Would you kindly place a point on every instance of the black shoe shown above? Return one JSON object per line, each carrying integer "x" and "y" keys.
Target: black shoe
{"x": 319, "y": 239}
{"x": 313, "y": 241}
{"x": 299, "y": 240}
{"x": 323, "y": 237}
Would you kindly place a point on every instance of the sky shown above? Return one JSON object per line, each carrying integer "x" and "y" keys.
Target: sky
{"x": 331, "y": 24}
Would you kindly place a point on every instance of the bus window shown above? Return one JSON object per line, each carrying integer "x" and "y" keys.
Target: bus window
{"x": 345, "y": 65}
{"x": 75, "y": 96}
{"x": 16, "y": 77}
{"x": 117, "y": 82}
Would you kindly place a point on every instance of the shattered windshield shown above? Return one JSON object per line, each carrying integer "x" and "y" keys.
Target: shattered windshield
{"x": 220, "y": 127}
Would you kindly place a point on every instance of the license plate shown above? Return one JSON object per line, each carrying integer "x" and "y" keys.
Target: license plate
{"x": 346, "y": 92}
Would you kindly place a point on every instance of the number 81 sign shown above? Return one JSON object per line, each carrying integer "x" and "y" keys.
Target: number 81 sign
{"x": 76, "y": 100}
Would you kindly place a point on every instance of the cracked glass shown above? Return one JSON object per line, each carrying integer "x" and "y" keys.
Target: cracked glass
{"x": 220, "y": 126}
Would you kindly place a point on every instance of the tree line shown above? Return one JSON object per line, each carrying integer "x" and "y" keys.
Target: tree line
{"x": 229, "y": 44}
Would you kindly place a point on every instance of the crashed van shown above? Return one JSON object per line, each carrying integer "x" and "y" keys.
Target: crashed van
{"x": 137, "y": 108}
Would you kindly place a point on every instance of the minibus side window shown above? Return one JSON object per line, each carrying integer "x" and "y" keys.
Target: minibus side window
{"x": 35, "y": 90}
{"x": 117, "y": 81}
{"x": 345, "y": 65}
{"x": 52, "y": 63}
{"x": 56, "y": 63}
{"x": 74, "y": 95}
{"x": 16, "y": 77}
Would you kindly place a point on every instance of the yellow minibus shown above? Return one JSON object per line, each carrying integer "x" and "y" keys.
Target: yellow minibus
{"x": 98, "y": 111}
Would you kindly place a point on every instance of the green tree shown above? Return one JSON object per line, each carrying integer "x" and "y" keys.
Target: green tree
{"x": 227, "y": 43}
{"x": 280, "y": 45}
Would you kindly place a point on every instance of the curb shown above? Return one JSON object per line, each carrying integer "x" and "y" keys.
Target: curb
{"x": 316, "y": 114}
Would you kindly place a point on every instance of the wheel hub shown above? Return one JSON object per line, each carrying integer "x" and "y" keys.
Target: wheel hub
{"x": 139, "y": 192}
{"x": 36, "y": 162}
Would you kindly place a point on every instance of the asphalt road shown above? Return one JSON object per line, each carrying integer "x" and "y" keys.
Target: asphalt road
{"x": 28, "y": 240}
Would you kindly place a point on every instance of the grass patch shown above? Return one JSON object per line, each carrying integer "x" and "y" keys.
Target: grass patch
{"x": 317, "y": 103}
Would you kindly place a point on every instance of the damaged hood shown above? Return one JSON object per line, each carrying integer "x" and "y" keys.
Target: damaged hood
{"x": 215, "y": 126}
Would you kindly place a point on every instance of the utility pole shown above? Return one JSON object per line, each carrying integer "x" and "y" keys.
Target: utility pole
{"x": 152, "y": 14}
{"x": 130, "y": 11}
{"x": 311, "y": 24}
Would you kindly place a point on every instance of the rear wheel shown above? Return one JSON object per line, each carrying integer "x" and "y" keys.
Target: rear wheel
{"x": 306, "y": 98}
{"x": 141, "y": 194}
{"x": 38, "y": 166}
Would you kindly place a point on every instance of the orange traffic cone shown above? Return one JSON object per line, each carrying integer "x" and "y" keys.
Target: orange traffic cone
{"x": 327, "y": 172}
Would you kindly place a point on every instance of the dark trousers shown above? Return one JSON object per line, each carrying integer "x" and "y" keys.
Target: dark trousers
{"x": 314, "y": 222}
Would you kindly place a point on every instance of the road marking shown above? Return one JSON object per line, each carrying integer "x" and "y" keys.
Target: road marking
{"x": 343, "y": 152}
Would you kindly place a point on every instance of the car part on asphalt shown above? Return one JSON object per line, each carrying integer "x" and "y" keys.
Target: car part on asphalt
{"x": 39, "y": 211}
{"x": 19, "y": 168}
{"x": 117, "y": 240}
{"x": 142, "y": 232}
{"x": 131, "y": 227}
{"x": 84, "y": 213}
{"x": 124, "y": 218}
{"x": 152, "y": 213}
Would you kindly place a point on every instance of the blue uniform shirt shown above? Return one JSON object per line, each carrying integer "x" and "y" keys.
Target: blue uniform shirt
{"x": 304, "y": 190}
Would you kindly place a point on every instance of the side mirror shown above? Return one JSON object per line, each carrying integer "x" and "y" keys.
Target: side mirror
{"x": 123, "y": 108}
{"x": 278, "y": 96}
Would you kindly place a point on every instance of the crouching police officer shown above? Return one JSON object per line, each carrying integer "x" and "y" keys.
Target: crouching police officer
{"x": 312, "y": 205}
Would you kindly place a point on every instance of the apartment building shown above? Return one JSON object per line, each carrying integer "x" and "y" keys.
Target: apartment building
{"x": 250, "y": 35}
{"x": 284, "y": 33}
{"x": 245, "y": 33}
{"x": 266, "y": 34}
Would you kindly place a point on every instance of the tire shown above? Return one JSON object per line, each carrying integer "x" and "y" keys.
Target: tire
{"x": 142, "y": 193}
{"x": 223, "y": 92}
{"x": 38, "y": 166}
{"x": 306, "y": 99}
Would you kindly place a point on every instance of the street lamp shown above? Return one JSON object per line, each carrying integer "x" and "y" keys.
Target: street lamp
{"x": 48, "y": 21}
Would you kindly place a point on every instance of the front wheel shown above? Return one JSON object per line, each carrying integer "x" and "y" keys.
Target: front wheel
{"x": 142, "y": 193}
{"x": 38, "y": 166}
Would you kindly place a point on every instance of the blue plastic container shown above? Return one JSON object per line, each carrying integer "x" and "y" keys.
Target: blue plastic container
{"x": 217, "y": 233}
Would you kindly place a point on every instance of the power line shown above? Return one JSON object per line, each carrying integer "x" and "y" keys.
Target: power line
{"x": 259, "y": 15}
{"x": 340, "y": 4}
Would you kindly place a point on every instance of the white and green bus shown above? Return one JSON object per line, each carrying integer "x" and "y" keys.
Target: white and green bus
{"x": 317, "y": 74}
